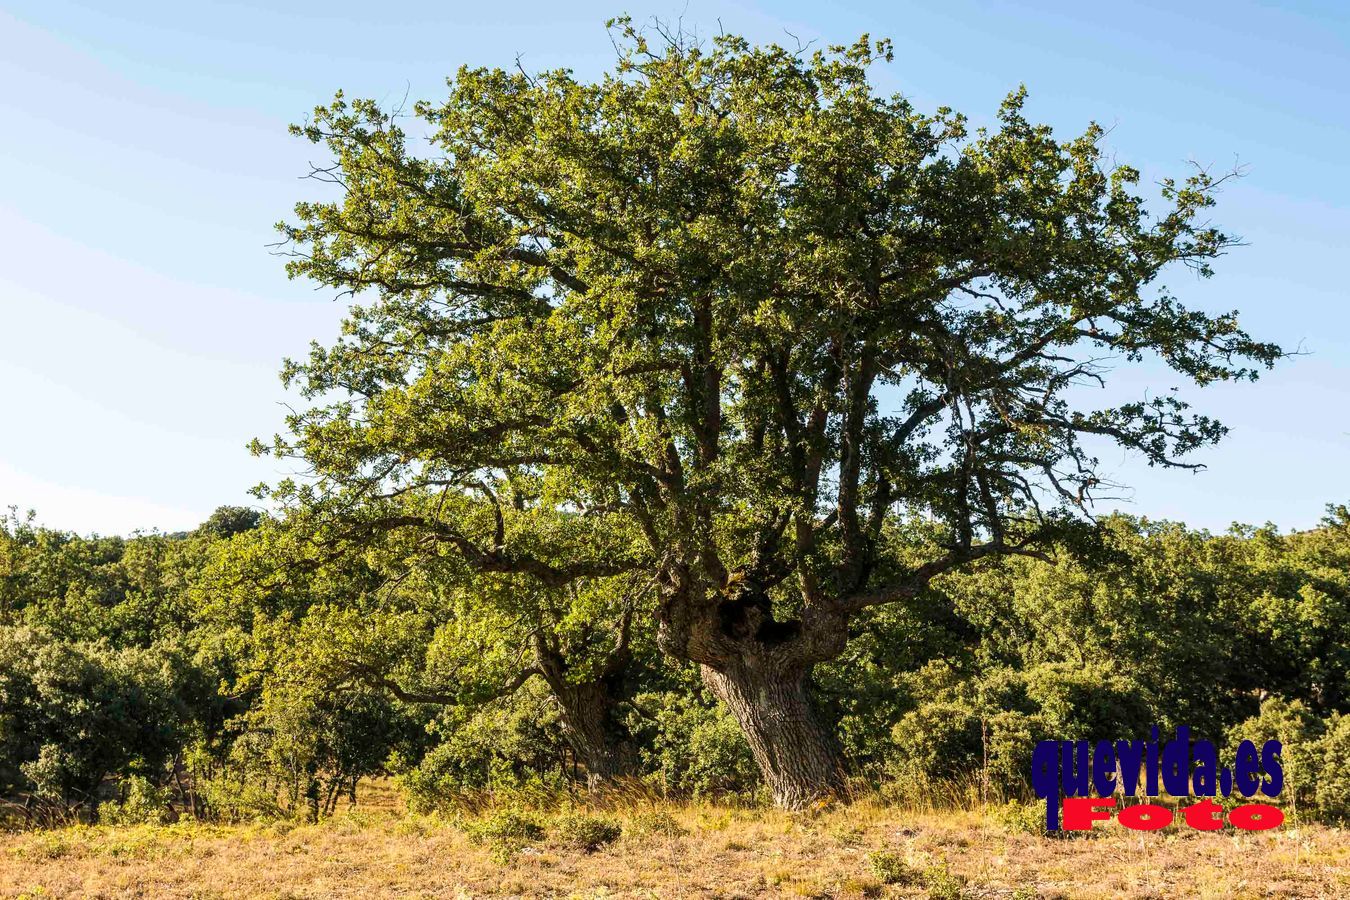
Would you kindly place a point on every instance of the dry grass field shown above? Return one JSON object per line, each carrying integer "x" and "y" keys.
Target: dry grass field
{"x": 865, "y": 850}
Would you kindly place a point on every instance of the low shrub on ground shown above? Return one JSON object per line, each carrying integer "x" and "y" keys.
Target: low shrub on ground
{"x": 582, "y": 831}
{"x": 891, "y": 868}
{"x": 942, "y": 884}
{"x": 505, "y": 831}
{"x": 1021, "y": 818}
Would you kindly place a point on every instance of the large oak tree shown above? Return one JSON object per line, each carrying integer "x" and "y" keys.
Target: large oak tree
{"x": 735, "y": 304}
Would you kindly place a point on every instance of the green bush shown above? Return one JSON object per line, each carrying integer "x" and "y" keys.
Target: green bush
{"x": 589, "y": 833}
{"x": 1333, "y": 776}
{"x": 431, "y": 785}
{"x": 1299, "y": 734}
{"x": 1075, "y": 702}
{"x": 937, "y": 740}
{"x": 75, "y": 714}
{"x": 942, "y": 884}
{"x": 505, "y": 831}
{"x": 694, "y": 748}
{"x": 890, "y": 868}
{"x": 1021, "y": 818}
{"x": 507, "y": 745}
{"x": 140, "y": 803}
{"x": 1012, "y": 737}
{"x": 506, "y": 824}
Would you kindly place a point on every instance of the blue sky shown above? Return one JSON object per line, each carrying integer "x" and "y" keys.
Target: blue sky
{"x": 144, "y": 161}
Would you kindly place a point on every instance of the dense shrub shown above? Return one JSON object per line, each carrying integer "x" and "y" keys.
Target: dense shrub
{"x": 75, "y": 714}
{"x": 508, "y": 745}
{"x": 1077, "y": 702}
{"x": 582, "y": 831}
{"x": 937, "y": 740}
{"x": 1333, "y": 771}
{"x": 137, "y": 802}
{"x": 1299, "y": 733}
{"x": 693, "y": 747}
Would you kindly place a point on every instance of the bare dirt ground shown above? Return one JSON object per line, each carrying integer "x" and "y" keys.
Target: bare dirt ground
{"x": 377, "y": 851}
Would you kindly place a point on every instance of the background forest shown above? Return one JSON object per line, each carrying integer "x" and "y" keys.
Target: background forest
{"x": 237, "y": 672}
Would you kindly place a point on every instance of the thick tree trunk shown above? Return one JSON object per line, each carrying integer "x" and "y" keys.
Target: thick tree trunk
{"x": 592, "y": 730}
{"x": 760, "y": 668}
{"x": 796, "y": 754}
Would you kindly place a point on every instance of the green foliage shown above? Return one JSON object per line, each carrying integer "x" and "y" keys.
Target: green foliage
{"x": 586, "y": 832}
{"x": 128, "y": 591}
{"x": 507, "y": 823}
{"x": 1021, "y": 817}
{"x": 505, "y": 746}
{"x": 505, "y": 831}
{"x": 964, "y": 720}
{"x": 227, "y": 521}
{"x": 891, "y": 868}
{"x": 943, "y": 884}
{"x": 568, "y": 243}
{"x": 1314, "y": 757}
{"x": 938, "y": 740}
{"x": 313, "y": 747}
{"x": 241, "y": 796}
{"x": 73, "y": 714}
{"x": 693, "y": 747}
{"x": 1299, "y": 733}
{"x": 1183, "y": 618}
{"x": 1333, "y": 775}
{"x": 254, "y": 708}
{"x": 139, "y": 803}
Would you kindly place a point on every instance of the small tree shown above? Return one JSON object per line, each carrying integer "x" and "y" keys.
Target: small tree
{"x": 731, "y": 300}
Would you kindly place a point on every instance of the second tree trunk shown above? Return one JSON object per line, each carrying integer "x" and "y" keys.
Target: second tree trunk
{"x": 590, "y": 726}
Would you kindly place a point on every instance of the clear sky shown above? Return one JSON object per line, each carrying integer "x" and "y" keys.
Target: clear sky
{"x": 144, "y": 160}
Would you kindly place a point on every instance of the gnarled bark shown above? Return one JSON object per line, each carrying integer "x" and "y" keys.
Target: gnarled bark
{"x": 795, "y": 752}
{"x": 589, "y": 709}
{"x": 593, "y": 731}
{"x": 760, "y": 668}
